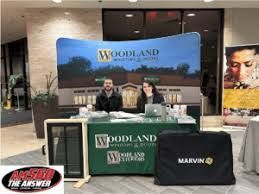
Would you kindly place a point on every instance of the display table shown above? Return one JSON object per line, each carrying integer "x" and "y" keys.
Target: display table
{"x": 126, "y": 147}
{"x": 249, "y": 153}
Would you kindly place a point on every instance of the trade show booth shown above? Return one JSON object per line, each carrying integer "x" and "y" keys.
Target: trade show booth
{"x": 111, "y": 133}
{"x": 130, "y": 96}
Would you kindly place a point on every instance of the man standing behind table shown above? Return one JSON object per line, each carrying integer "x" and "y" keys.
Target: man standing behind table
{"x": 108, "y": 100}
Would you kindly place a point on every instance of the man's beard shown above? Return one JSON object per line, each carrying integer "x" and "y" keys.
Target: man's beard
{"x": 108, "y": 89}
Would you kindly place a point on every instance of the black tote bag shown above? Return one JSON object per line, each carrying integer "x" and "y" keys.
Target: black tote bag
{"x": 203, "y": 158}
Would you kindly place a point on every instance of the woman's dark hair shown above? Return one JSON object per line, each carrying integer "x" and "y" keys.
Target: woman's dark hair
{"x": 154, "y": 90}
{"x": 231, "y": 50}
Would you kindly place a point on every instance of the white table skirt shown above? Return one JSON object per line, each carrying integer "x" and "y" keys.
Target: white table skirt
{"x": 249, "y": 153}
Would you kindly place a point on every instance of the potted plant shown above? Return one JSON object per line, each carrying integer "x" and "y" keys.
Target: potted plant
{"x": 44, "y": 105}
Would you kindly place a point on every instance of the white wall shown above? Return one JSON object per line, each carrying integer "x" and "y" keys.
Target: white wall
{"x": 45, "y": 26}
{"x": 241, "y": 26}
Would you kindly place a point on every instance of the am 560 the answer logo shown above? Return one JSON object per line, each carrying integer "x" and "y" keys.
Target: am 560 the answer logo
{"x": 31, "y": 179}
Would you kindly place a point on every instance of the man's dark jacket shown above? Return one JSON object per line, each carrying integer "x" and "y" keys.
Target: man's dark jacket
{"x": 113, "y": 103}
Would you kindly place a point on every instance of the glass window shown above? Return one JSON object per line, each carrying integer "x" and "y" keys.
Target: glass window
{"x": 123, "y": 25}
{"x": 162, "y": 23}
{"x": 207, "y": 24}
{"x": 65, "y": 148}
{"x": 3, "y": 75}
{"x": 17, "y": 55}
{"x": 3, "y": 81}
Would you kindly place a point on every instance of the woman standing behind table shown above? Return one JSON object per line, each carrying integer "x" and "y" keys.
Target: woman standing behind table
{"x": 149, "y": 95}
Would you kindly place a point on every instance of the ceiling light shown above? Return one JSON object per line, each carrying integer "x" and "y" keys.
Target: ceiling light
{"x": 57, "y": 1}
{"x": 207, "y": 1}
{"x": 129, "y": 15}
{"x": 191, "y": 14}
{"x": 205, "y": 30}
{"x": 66, "y": 13}
{"x": 133, "y": 1}
{"x": 136, "y": 31}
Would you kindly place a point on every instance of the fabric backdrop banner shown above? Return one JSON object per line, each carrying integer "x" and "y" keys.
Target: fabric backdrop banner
{"x": 172, "y": 63}
{"x": 241, "y": 84}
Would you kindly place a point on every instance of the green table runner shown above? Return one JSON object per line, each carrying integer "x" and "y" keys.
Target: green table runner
{"x": 126, "y": 147}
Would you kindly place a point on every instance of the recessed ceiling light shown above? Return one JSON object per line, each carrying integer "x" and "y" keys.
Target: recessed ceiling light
{"x": 133, "y": 1}
{"x": 205, "y": 30}
{"x": 66, "y": 13}
{"x": 207, "y": 1}
{"x": 136, "y": 31}
{"x": 57, "y": 1}
{"x": 129, "y": 15}
{"x": 191, "y": 14}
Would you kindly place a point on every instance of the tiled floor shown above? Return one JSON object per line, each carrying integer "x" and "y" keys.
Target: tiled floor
{"x": 21, "y": 139}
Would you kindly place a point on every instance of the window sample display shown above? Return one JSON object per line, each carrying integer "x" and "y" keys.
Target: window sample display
{"x": 67, "y": 145}
{"x": 65, "y": 148}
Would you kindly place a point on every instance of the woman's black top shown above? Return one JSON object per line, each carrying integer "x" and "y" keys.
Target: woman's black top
{"x": 157, "y": 99}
